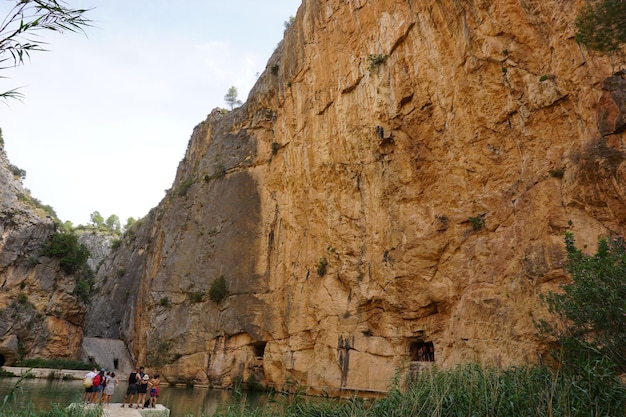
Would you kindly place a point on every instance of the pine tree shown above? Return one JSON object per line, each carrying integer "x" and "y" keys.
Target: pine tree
{"x": 231, "y": 98}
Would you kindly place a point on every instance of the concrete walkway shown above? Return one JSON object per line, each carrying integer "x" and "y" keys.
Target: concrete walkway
{"x": 116, "y": 410}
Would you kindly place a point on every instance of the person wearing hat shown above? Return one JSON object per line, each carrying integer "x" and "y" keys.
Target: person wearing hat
{"x": 142, "y": 390}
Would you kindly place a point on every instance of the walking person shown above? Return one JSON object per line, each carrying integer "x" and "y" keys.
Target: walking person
{"x": 131, "y": 391}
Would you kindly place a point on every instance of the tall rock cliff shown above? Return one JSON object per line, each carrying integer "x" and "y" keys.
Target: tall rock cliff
{"x": 40, "y": 314}
{"x": 400, "y": 178}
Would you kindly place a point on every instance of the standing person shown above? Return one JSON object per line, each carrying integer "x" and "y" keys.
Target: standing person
{"x": 142, "y": 390}
{"x": 154, "y": 390}
{"x": 88, "y": 384}
{"x": 109, "y": 388}
{"x": 131, "y": 391}
{"x": 97, "y": 386}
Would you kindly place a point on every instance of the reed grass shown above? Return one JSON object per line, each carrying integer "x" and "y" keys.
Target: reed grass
{"x": 11, "y": 407}
{"x": 467, "y": 391}
{"x": 55, "y": 411}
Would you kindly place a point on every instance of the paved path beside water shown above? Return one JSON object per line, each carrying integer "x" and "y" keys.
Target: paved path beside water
{"x": 116, "y": 410}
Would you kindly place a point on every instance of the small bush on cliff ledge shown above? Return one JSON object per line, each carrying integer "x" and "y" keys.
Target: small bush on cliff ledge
{"x": 322, "y": 265}
{"x": 65, "y": 247}
{"x": 184, "y": 187}
{"x": 218, "y": 291}
{"x": 375, "y": 61}
{"x": 72, "y": 258}
{"x": 477, "y": 222}
{"x": 196, "y": 297}
{"x": 557, "y": 172}
{"x": 601, "y": 25}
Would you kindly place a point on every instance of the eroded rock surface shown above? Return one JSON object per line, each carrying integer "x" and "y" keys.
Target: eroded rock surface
{"x": 400, "y": 177}
{"x": 39, "y": 316}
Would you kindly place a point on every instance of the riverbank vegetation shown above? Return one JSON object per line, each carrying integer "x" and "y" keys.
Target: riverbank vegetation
{"x": 57, "y": 363}
{"x": 468, "y": 390}
{"x": 55, "y": 411}
{"x": 10, "y": 406}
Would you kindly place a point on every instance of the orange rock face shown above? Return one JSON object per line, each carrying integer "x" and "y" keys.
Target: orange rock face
{"x": 399, "y": 179}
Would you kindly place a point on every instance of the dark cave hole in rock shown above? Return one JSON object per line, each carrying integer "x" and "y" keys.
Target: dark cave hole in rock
{"x": 422, "y": 351}
{"x": 259, "y": 349}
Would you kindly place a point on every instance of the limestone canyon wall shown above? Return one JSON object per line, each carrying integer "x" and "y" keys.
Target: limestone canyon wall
{"x": 401, "y": 174}
{"x": 40, "y": 316}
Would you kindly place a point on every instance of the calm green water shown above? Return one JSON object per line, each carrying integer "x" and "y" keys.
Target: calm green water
{"x": 180, "y": 401}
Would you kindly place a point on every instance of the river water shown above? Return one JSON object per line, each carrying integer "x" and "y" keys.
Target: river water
{"x": 181, "y": 401}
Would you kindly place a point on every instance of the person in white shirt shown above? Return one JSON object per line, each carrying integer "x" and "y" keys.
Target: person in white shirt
{"x": 89, "y": 387}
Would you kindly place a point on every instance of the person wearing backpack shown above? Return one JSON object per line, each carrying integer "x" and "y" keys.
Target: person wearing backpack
{"x": 110, "y": 381}
{"x": 97, "y": 386}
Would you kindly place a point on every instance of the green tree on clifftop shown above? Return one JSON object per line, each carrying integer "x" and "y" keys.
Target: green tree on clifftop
{"x": 96, "y": 219}
{"x": 113, "y": 223}
{"x": 231, "y": 98}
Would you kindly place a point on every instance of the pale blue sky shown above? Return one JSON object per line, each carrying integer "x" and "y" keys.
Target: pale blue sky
{"x": 106, "y": 117}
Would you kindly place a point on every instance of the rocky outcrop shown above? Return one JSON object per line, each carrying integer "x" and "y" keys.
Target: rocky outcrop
{"x": 112, "y": 354}
{"x": 395, "y": 189}
{"x": 612, "y": 112}
{"x": 40, "y": 315}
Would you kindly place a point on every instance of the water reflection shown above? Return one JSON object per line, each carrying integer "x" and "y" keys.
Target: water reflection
{"x": 181, "y": 401}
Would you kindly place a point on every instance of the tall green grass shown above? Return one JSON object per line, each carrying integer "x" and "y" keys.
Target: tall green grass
{"x": 521, "y": 391}
{"x": 468, "y": 391}
{"x": 55, "y": 411}
{"x": 11, "y": 407}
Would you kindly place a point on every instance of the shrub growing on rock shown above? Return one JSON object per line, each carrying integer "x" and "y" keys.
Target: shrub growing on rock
{"x": 218, "y": 291}
{"x": 590, "y": 311}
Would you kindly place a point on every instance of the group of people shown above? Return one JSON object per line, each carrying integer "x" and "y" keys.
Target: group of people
{"x": 100, "y": 386}
{"x": 140, "y": 384}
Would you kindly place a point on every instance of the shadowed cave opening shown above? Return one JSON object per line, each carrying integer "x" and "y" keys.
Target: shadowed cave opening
{"x": 259, "y": 349}
{"x": 421, "y": 351}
